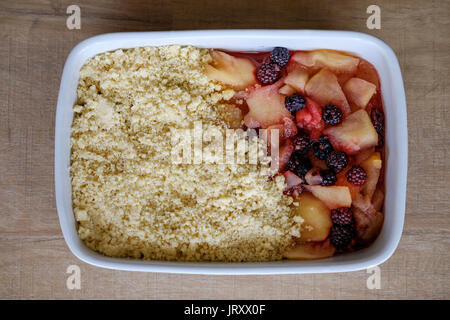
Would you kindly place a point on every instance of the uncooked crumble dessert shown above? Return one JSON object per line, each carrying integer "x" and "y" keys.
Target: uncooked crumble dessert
{"x": 130, "y": 199}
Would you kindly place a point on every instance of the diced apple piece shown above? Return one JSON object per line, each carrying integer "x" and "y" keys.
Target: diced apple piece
{"x": 363, "y": 203}
{"x": 332, "y": 196}
{"x": 368, "y": 224}
{"x": 317, "y": 220}
{"x": 378, "y": 199}
{"x": 313, "y": 177}
{"x": 286, "y": 90}
{"x": 325, "y": 58}
{"x": 324, "y": 88}
{"x": 292, "y": 179}
{"x": 359, "y": 91}
{"x": 364, "y": 155}
{"x": 293, "y": 184}
{"x": 354, "y": 134}
{"x": 368, "y": 220}
{"x": 239, "y": 73}
{"x": 286, "y": 129}
{"x": 372, "y": 166}
{"x": 367, "y": 72}
{"x": 310, "y": 251}
{"x": 297, "y": 79}
{"x": 266, "y": 107}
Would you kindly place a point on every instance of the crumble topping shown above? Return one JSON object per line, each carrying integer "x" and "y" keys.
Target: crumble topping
{"x": 130, "y": 200}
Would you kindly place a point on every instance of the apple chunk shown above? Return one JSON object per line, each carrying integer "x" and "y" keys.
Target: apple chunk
{"x": 335, "y": 61}
{"x": 239, "y": 73}
{"x": 317, "y": 220}
{"x": 332, "y": 196}
{"x": 372, "y": 166}
{"x": 359, "y": 91}
{"x": 297, "y": 79}
{"x": 266, "y": 107}
{"x": 310, "y": 251}
{"x": 324, "y": 88}
{"x": 354, "y": 134}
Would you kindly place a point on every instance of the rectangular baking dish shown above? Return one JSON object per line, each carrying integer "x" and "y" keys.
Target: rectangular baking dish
{"x": 368, "y": 47}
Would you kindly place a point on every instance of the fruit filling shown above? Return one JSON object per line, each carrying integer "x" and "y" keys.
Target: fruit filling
{"x": 328, "y": 108}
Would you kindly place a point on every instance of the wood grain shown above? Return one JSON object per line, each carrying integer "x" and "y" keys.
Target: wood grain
{"x": 34, "y": 43}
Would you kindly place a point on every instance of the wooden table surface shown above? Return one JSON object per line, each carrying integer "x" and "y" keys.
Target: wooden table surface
{"x": 34, "y": 43}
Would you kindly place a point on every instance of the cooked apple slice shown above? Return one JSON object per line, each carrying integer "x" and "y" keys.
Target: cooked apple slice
{"x": 313, "y": 177}
{"x": 367, "y": 72}
{"x": 297, "y": 79}
{"x": 286, "y": 129}
{"x": 324, "y": 88}
{"x": 286, "y": 90}
{"x": 239, "y": 73}
{"x": 378, "y": 199}
{"x": 332, "y": 196}
{"x": 364, "y": 155}
{"x": 354, "y": 134}
{"x": 372, "y": 166}
{"x": 293, "y": 184}
{"x": 335, "y": 61}
{"x": 368, "y": 224}
{"x": 266, "y": 107}
{"x": 359, "y": 91}
{"x": 317, "y": 220}
{"x": 310, "y": 251}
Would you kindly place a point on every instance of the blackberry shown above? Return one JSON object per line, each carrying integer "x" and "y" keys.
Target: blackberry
{"x": 280, "y": 56}
{"x": 331, "y": 115}
{"x": 356, "y": 175}
{"x": 301, "y": 141}
{"x": 294, "y": 102}
{"x": 342, "y": 216}
{"x": 337, "y": 160}
{"x": 341, "y": 236}
{"x": 299, "y": 164}
{"x": 328, "y": 177}
{"x": 322, "y": 148}
{"x": 268, "y": 73}
{"x": 377, "y": 117}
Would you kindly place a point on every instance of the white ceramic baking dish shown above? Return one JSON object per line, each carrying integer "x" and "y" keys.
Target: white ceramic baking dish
{"x": 363, "y": 45}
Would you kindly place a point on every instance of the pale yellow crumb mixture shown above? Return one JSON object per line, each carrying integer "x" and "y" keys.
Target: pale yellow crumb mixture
{"x": 129, "y": 200}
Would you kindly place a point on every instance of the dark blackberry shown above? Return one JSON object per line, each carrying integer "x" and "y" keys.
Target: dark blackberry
{"x": 341, "y": 236}
{"x": 331, "y": 115}
{"x": 301, "y": 141}
{"x": 328, "y": 177}
{"x": 342, "y": 216}
{"x": 377, "y": 117}
{"x": 294, "y": 102}
{"x": 337, "y": 160}
{"x": 322, "y": 148}
{"x": 268, "y": 73}
{"x": 299, "y": 164}
{"x": 280, "y": 56}
{"x": 356, "y": 175}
